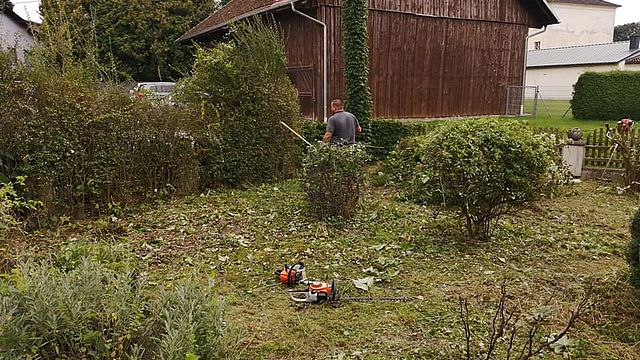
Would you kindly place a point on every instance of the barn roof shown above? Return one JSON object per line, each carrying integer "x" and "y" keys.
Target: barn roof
{"x": 232, "y": 11}
{"x": 598, "y": 54}
{"x": 240, "y": 9}
{"x": 586, "y": 2}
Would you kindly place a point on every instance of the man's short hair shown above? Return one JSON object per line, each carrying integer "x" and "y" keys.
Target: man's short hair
{"x": 337, "y": 103}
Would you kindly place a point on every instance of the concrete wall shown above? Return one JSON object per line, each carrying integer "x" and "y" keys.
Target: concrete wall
{"x": 14, "y": 36}
{"x": 556, "y": 83}
{"x": 580, "y": 25}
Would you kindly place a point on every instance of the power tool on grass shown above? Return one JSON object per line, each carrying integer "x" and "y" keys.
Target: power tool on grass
{"x": 292, "y": 275}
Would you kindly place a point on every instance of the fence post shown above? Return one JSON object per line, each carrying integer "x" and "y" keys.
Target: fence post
{"x": 573, "y": 154}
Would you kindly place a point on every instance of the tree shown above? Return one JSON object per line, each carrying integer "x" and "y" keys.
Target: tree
{"x": 134, "y": 39}
{"x": 623, "y": 32}
{"x": 356, "y": 59}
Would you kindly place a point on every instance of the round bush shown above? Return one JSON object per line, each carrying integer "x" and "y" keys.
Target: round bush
{"x": 483, "y": 169}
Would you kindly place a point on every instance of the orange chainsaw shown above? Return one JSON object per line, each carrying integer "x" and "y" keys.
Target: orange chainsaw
{"x": 292, "y": 275}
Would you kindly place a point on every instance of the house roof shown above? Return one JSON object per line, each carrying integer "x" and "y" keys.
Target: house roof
{"x": 240, "y": 9}
{"x": 586, "y": 2}
{"x": 8, "y": 10}
{"x": 582, "y": 55}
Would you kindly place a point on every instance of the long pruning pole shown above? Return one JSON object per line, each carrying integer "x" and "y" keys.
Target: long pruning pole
{"x": 298, "y": 135}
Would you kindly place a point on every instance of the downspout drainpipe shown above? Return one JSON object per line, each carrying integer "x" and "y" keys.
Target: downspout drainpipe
{"x": 526, "y": 60}
{"x": 325, "y": 60}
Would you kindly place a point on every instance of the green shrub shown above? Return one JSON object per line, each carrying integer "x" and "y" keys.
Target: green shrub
{"x": 333, "y": 176}
{"x": 93, "y": 311}
{"x": 607, "y": 96}
{"x": 82, "y": 146}
{"x": 244, "y": 93}
{"x": 12, "y": 204}
{"x": 633, "y": 252}
{"x": 481, "y": 168}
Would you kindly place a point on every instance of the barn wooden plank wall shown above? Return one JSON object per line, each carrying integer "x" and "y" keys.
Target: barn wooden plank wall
{"x": 457, "y": 61}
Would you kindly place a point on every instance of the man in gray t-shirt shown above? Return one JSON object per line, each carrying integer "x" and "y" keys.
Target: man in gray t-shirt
{"x": 342, "y": 127}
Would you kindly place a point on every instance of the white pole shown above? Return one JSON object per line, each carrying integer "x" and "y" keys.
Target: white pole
{"x": 293, "y": 131}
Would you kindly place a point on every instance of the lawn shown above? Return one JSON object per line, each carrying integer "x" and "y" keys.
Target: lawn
{"x": 235, "y": 239}
{"x": 551, "y": 116}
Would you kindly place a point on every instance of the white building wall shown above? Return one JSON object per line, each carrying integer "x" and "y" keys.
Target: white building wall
{"x": 14, "y": 36}
{"x": 556, "y": 83}
{"x": 579, "y": 25}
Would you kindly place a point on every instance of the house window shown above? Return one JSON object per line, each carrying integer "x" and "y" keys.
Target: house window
{"x": 536, "y": 45}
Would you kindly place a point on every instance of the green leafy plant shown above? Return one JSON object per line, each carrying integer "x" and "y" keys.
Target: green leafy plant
{"x": 607, "y": 96}
{"x": 82, "y": 146}
{"x": 333, "y": 176}
{"x": 633, "y": 251}
{"x": 97, "y": 311}
{"x": 483, "y": 169}
{"x": 12, "y": 204}
{"x": 243, "y": 92}
{"x": 356, "y": 60}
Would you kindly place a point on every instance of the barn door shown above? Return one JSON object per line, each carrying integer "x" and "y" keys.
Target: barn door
{"x": 304, "y": 80}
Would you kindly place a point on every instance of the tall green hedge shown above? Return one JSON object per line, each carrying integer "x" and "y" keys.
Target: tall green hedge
{"x": 607, "y": 96}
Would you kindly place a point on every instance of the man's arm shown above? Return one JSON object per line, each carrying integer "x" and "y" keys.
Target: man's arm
{"x": 358, "y": 130}
{"x": 329, "y": 132}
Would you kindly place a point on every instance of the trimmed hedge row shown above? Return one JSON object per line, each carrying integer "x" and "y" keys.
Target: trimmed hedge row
{"x": 607, "y": 96}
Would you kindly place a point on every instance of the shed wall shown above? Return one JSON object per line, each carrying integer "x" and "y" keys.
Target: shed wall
{"x": 437, "y": 59}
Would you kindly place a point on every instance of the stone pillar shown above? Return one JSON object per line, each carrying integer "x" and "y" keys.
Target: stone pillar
{"x": 573, "y": 155}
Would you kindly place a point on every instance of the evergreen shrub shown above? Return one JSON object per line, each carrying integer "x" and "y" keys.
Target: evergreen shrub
{"x": 607, "y": 96}
{"x": 333, "y": 176}
{"x": 243, "y": 91}
{"x": 482, "y": 169}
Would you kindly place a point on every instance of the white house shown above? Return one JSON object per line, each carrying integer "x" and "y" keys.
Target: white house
{"x": 582, "y": 22}
{"x": 15, "y": 34}
{"x": 555, "y": 71}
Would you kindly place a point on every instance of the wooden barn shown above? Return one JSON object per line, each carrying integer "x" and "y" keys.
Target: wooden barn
{"x": 428, "y": 58}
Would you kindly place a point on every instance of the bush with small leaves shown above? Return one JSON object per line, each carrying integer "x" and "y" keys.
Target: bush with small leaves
{"x": 333, "y": 176}
{"x": 481, "y": 168}
{"x": 244, "y": 93}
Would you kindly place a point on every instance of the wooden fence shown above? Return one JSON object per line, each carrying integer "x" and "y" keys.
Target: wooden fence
{"x": 601, "y": 153}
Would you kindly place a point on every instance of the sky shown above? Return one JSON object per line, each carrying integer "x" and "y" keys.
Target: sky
{"x": 629, "y": 12}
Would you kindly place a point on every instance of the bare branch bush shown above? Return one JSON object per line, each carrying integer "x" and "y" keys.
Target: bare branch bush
{"x": 509, "y": 324}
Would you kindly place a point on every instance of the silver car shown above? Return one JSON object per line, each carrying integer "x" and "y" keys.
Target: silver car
{"x": 153, "y": 90}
